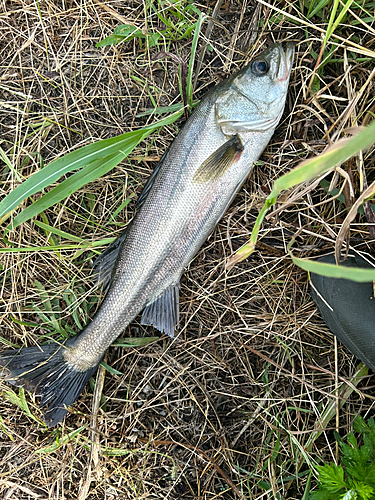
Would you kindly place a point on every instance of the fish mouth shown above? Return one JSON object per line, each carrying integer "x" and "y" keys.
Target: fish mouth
{"x": 285, "y": 62}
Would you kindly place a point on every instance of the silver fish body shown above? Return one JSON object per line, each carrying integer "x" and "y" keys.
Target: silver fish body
{"x": 182, "y": 203}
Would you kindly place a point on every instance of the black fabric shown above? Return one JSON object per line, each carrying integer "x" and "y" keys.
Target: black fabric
{"x": 348, "y": 308}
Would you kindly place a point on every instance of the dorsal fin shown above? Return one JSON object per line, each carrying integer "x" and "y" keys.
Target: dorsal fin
{"x": 150, "y": 181}
{"x": 104, "y": 263}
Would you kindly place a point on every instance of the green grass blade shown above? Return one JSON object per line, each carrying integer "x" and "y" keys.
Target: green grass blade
{"x": 335, "y": 155}
{"x": 20, "y": 401}
{"x": 87, "y": 174}
{"x": 84, "y": 245}
{"x": 8, "y": 163}
{"x": 316, "y": 9}
{"x": 162, "y": 110}
{"x": 61, "y": 442}
{"x": 331, "y": 21}
{"x": 58, "y": 232}
{"x": 340, "y": 18}
{"x": 308, "y": 170}
{"x": 134, "y": 342}
{"x": 123, "y": 205}
{"x": 332, "y": 271}
{"x": 120, "y": 145}
{"x": 57, "y": 168}
{"x": 189, "y": 84}
{"x": 110, "y": 369}
{"x": 129, "y": 343}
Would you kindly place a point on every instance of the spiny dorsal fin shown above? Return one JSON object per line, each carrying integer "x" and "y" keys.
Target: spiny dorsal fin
{"x": 103, "y": 265}
{"x": 220, "y": 161}
{"x": 150, "y": 181}
{"x": 163, "y": 313}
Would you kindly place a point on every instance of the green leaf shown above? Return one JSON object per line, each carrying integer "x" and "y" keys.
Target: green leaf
{"x": 127, "y": 32}
{"x": 364, "y": 491}
{"x": 153, "y": 39}
{"x": 61, "y": 442}
{"x": 356, "y": 479}
{"x": 122, "y": 33}
{"x": 331, "y": 477}
{"x": 350, "y": 495}
{"x": 360, "y": 425}
{"x": 94, "y": 160}
{"x": 322, "y": 494}
{"x": 351, "y": 273}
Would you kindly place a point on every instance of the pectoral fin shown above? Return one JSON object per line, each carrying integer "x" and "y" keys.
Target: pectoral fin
{"x": 219, "y": 161}
{"x": 163, "y": 313}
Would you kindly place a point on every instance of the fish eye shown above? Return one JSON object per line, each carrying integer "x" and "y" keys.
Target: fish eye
{"x": 260, "y": 67}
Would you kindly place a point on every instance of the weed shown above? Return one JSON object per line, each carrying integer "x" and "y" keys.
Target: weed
{"x": 355, "y": 478}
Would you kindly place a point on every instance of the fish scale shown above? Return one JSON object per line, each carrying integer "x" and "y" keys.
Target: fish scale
{"x": 185, "y": 198}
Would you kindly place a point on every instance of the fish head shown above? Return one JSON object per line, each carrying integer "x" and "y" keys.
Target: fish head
{"x": 254, "y": 98}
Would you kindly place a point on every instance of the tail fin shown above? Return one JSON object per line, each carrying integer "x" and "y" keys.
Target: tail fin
{"x": 44, "y": 371}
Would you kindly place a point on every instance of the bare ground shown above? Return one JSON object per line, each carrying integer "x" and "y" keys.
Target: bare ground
{"x": 227, "y": 408}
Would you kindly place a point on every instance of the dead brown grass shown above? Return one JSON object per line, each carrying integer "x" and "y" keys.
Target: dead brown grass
{"x": 224, "y": 410}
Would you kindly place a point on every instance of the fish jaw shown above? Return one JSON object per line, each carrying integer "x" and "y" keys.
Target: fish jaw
{"x": 286, "y": 59}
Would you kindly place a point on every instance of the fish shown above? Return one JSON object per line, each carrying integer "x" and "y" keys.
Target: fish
{"x": 183, "y": 200}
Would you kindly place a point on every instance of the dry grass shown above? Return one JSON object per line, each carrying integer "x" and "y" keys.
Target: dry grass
{"x": 226, "y": 408}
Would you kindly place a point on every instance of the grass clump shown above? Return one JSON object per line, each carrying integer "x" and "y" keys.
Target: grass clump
{"x": 177, "y": 17}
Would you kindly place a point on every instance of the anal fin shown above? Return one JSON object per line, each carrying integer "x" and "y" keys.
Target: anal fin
{"x": 163, "y": 313}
